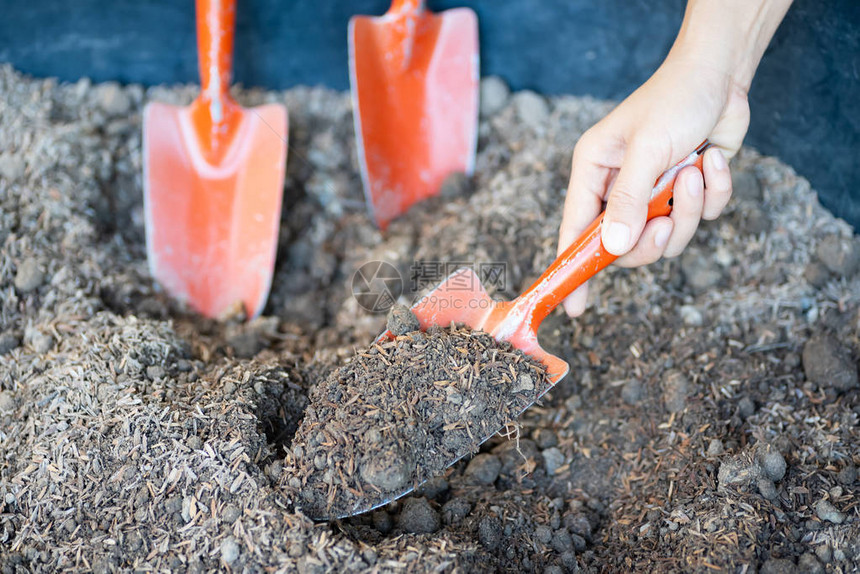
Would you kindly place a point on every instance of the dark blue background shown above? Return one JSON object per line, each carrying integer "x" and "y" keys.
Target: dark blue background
{"x": 805, "y": 100}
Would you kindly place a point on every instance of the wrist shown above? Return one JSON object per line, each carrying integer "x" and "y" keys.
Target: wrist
{"x": 729, "y": 36}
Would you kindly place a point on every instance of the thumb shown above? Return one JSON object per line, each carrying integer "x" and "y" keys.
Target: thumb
{"x": 627, "y": 205}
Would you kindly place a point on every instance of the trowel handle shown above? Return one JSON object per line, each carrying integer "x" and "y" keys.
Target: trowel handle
{"x": 406, "y": 5}
{"x": 403, "y": 18}
{"x": 586, "y": 256}
{"x": 216, "y": 22}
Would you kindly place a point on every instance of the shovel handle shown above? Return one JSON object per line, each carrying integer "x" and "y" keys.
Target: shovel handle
{"x": 406, "y": 5}
{"x": 216, "y": 22}
{"x": 586, "y": 256}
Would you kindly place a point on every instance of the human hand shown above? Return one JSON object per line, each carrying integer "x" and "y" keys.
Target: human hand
{"x": 698, "y": 93}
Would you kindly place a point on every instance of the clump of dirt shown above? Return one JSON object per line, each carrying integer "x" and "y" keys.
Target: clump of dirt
{"x": 401, "y": 320}
{"x": 401, "y": 412}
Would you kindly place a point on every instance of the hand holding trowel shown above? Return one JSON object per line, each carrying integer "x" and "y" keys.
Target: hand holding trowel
{"x": 517, "y": 321}
{"x": 213, "y": 182}
{"x": 414, "y": 77}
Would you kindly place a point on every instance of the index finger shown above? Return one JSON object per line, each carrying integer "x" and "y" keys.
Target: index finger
{"x": 585, "y": 193}
{"x": 587, "y": 187}
{"x": 627, "y": 203}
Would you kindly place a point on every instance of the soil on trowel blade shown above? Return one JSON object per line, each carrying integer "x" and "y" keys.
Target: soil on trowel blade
{"x": 401, "y": 412}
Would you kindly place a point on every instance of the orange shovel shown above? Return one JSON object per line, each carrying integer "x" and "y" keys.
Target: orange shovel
{"x": 462, "y": 299}
{"x": 414, "y": 78}
{"x": 213, "y": 180}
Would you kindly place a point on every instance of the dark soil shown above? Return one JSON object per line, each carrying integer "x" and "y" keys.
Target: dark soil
{"x": 401, "y": 412}
{"x": 709, "y": 424}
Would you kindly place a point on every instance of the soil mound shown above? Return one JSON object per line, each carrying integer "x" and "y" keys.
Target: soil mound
{"x": 402, "y": 411}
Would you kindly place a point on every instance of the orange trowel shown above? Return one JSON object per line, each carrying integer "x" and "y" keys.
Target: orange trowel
{"x": 213, "y": 182}
{"x": 462, "y": 299}
{"x": 414, "y": 77}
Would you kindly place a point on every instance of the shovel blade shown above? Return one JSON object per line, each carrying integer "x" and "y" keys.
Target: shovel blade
{"x": 462, "y": 299}
{"x": 415, "y": 101}
{"x": 212, "y": 228}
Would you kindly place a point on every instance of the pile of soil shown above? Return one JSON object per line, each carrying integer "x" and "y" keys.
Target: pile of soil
{"x": 710, "y": 421}
{"x": 401, "y": 412}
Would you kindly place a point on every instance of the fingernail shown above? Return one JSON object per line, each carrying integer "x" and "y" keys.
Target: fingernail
{"x": 616, "y": 236}
{"x": 718, "y": 160}
{"x": 662, "y": 236}
{"x": 694, "y": 188}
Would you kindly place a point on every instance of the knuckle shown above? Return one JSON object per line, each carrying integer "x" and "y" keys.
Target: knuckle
{"x": 711, "y": 214}
{"x": 689, "y": 207}
{"x": 714, "y": 205}
{"x": 651, "y": 257}
{"x": 583, "y": 147}
{"x": 641, "y": 255}
{"x": 720, "y": 185}
{"x": 656, "y": 150}
{"x": 672, "y": 252}
{"x": 622, "y": 200}
{"x": 689, "y": 213}
{"x": 675, "y": 249}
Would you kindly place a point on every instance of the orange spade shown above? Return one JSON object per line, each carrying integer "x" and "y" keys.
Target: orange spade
{"x": 213, "y": 182}
{"x": 414, "y": 77}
